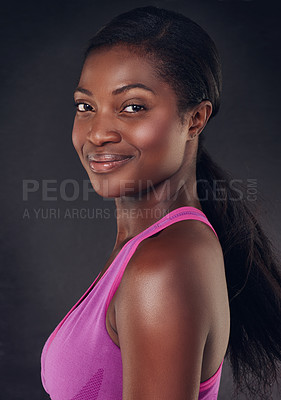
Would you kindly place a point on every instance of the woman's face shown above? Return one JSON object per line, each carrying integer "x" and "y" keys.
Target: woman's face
{"x": 124, "y": 109}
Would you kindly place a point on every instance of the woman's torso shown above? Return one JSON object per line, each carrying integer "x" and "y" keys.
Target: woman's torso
{"x": 93, "y": 314}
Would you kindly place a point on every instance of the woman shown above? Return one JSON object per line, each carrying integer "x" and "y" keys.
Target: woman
{"x": 192, "y": 277}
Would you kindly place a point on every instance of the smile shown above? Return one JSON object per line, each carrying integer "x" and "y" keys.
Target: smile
{"x": 104, "y": 166}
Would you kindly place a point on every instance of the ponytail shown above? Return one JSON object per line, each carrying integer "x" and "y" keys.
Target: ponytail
{"x": 252, "y": 275}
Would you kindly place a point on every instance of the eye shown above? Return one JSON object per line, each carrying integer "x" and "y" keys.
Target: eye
{"x": 83, "y": 107}
{"x": 134, "y": 108}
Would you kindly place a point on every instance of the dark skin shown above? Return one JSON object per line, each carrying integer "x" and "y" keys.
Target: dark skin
{"x": 170, "y": 314}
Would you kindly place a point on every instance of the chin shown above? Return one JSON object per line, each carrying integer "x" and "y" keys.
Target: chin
{"x": 107, "y": 189}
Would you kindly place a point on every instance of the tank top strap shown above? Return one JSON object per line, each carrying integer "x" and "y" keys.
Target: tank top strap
{"x": 179, "y": 214}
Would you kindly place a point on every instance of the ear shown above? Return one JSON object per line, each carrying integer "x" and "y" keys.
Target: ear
{"x": 198, "y": 118}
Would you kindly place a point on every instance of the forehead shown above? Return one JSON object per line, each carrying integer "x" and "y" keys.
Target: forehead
{"x": 109, "y": 68}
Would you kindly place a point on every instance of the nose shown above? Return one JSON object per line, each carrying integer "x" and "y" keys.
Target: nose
{"x": 102, "y": 130}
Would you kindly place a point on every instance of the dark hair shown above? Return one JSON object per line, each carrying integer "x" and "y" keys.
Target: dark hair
{"x": 188, "y": 60}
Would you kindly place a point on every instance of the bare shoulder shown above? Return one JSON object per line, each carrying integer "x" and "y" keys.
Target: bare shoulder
{"x": 164, "y": 311}
{"x": 186, "y": 252}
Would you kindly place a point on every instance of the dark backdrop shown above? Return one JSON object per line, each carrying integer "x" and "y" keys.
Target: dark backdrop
{"x": 54, "y": 239}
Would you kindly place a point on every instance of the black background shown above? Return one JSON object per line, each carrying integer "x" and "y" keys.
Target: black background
{"x": 47, "y": 263}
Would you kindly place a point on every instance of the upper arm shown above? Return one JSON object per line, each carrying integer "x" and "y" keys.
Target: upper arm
{"x": 163, "y": 321}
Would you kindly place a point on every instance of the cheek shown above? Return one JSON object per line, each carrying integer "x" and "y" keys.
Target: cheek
{"x": 77, "y": 136}
{"x": 159, "y": 134}
{"x": 162, "y": 144}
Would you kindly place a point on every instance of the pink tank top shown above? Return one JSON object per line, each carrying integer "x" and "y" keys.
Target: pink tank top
{"x": 79, "y": 361}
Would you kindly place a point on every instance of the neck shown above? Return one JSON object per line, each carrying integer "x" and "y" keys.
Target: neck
{"x": 138, "y": 212}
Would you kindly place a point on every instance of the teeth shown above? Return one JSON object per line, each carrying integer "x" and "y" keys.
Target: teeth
{"x": 107, "y": 157}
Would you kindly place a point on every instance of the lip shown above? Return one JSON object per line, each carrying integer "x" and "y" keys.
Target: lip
{"x": 107, "y": 157}
{"x": 107, "y": 162}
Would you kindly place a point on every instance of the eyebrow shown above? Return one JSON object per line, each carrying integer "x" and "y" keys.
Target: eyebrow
{"x": 119, "y": 90}
{"x": 132, "y": 86}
